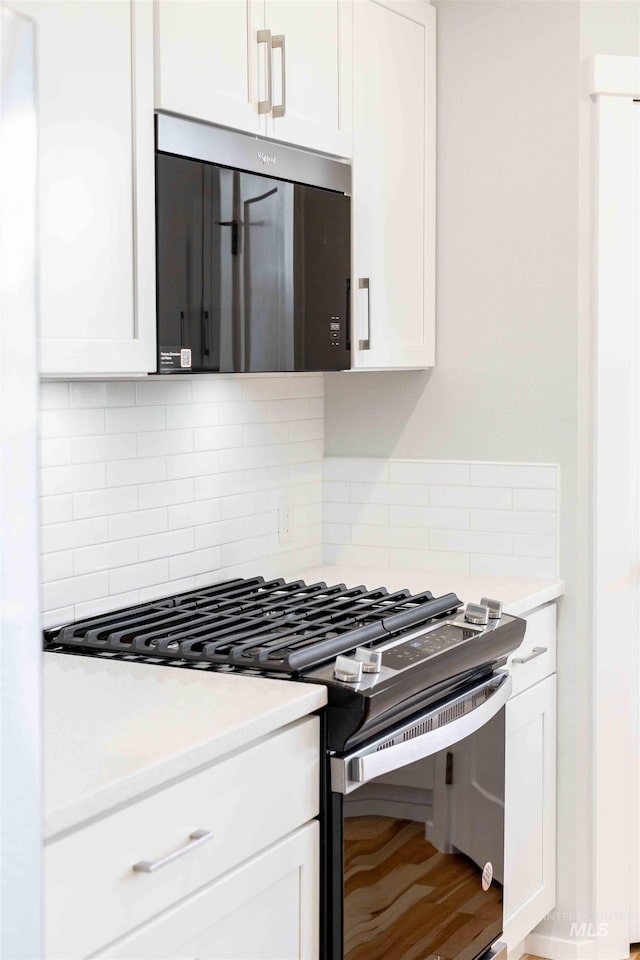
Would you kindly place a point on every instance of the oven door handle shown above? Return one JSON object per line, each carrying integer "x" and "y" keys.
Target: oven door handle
{"x": 360, "y": 767}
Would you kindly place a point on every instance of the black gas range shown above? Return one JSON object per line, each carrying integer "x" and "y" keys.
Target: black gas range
{"x": 412, "y": 680}
{"x": 381, "y": 655}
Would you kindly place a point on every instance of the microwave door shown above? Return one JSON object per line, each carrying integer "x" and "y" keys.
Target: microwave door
{"x": 180, "y": 213}
{"x": 267, "y": 333}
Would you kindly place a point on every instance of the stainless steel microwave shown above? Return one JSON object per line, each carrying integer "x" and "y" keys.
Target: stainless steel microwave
{"x": 253, "y": 253}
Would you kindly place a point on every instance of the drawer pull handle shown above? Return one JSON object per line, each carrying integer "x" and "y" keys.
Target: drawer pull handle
{"x": 196, "y": 839}
{"x": 536, "y": 652}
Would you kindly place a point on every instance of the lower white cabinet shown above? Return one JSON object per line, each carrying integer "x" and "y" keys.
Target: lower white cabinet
{"x": 267, "y": 909}
{"x": 530, "y": 803}
{"x": 199, "y": 848}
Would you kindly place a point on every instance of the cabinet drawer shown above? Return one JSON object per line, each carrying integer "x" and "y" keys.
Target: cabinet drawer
{"x": 247, "y": 801}
{"x": 538, "y": 650}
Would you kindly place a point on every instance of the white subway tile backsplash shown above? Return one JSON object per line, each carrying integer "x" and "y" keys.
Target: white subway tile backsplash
{"x": 215, "y": 534}
{"x": 62, "y": 593}
{"x": 123, "y": 579}
{"x": 265, "y": 388}
{"x": 215, "y": 438}
{"x": 192, "y": 415}
{"x": 71, "y": 423}
{"x": 157, "y": 443}
{"x": 194, "y": 514}
{"x": 243, "y": 505}
{"x": 531, "y": 545}
{"x": 121, "y": 473}
{"x": 165, "y": 493}
{"x": 104, "y": 503}
{"x": 192, "y": 464}
{"x": 513, "y": 521}
{"x": 134, "y": 419}
{"x": 56, "y": 509}
{"x": 492, "y": 498}
{"x": 356, "y": 513}
{"x": 391, "y": 536}
{"x": 141, "y": 523}
{"x": 443, "y": 515}
{"x": 356, "y": 556}
{"x": 166, "y": 544}
{"x": 54, "y": 453}
{"x": 73, "y": 533}
{"x": 120, "y": 446}
{"x": 72, "y": 479}
{"x": 165, "y": 484}
{"x": 217, "y": 390}
{"x": 471, "y": 541}
{"x": 241, "y": 551}
{"x": 543, "y": 500}
{"x": 163, "y": 392}
{"x": 56, "y": 566}
{"x": 398, "y": 493}
{"x": 104, "y": 556}
{"x": 191, "y": 564}
{"x": 434, "y": 518}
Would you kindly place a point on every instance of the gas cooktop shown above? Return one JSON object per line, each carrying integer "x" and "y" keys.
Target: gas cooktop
{"x": 381, "y": 655}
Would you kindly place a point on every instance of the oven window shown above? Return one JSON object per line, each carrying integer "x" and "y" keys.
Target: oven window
{"x": 423, "y": 856}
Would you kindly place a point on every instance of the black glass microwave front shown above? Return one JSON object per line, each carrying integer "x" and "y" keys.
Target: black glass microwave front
{"x": 253, "y": 272}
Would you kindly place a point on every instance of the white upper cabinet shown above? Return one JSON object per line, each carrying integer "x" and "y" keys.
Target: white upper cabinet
{"x": 96, "y": 193}
{"x": 393, "y": 203}
{"x": 277, "y": 68}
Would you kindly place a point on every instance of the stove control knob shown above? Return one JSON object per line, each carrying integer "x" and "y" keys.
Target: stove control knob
{"x": 347, "y": 670}
{"x": 476, "y": 613}
{"x": 494, "y": 607}
{"x": 371, "y": 660}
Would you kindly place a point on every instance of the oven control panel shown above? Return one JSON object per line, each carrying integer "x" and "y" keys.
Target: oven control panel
{"x": 444, "y": 637}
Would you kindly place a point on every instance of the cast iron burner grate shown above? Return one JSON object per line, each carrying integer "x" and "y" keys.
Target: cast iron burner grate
{"x": 254, "y": 624}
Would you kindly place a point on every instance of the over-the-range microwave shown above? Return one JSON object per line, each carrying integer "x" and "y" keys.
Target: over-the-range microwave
{"x": 253, "y": 253}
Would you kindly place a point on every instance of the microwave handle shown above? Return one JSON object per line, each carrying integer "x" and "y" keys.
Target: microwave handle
{"x": 352, "y": 771}
{"x": 364, "y": 284}
{"x": 347, "y": 332}
{"x": 264, "y": 36}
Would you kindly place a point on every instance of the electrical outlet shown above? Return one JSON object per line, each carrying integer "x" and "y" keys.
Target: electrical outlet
{"x": 285, "y": 520}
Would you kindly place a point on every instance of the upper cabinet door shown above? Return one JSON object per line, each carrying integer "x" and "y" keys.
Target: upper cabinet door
{"x": 393, "y": 184}
{"x": 311, "y": 81}
{"x": 96, "y": 194}
{"x": 280, "y": 68}
{"x": 212, "y": 61}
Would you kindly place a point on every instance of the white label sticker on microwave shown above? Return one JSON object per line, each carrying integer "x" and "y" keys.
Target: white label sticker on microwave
{"x": 487, "y": 875}
{"x": 185, "y": 358}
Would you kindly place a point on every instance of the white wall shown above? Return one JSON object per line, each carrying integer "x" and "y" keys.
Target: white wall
{"x": 512, "y": 378}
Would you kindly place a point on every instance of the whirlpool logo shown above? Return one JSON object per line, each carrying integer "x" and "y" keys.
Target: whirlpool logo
{"x": 267, "y": 158}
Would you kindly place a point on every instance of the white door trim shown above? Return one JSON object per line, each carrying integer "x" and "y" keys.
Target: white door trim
{"x": 614, "y": 82}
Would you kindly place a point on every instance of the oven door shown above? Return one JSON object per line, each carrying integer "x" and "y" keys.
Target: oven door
{"x": 416, "y": 836}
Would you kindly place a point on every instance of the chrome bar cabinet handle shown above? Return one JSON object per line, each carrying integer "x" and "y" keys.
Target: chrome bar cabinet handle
{"x": 197, "y": 838}
{"x": 364, "y": 284}
{"x": 264, "y": 36}
{"x": 280, "y": 109}
{"x": 536, "y": 652}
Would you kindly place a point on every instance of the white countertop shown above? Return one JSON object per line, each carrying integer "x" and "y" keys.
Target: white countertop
{"x": 115, "y": 730}
{"x": 519, "y": 595}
